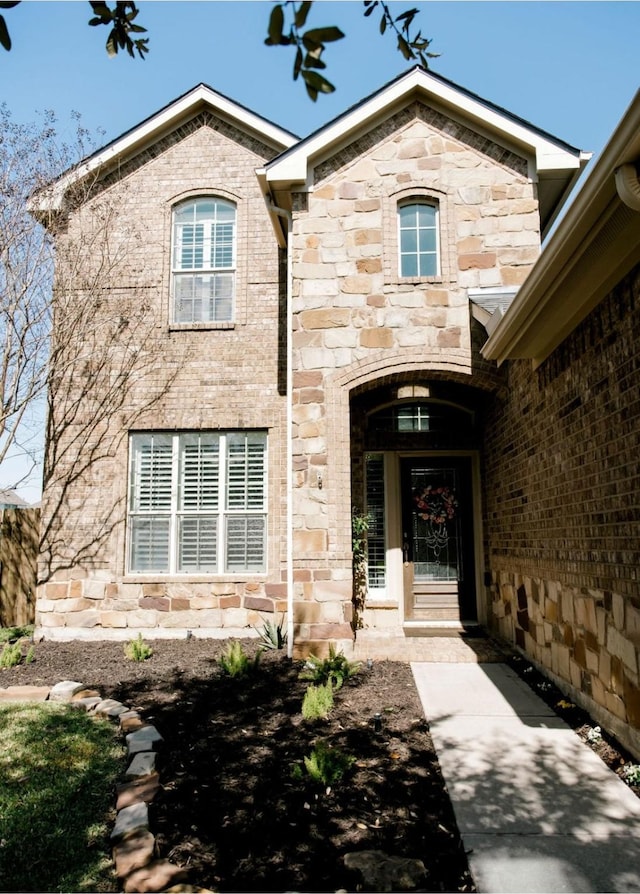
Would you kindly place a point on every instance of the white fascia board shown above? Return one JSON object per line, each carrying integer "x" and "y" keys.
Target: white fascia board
{"x": 549, "y": 155}
{"x": 156, "y": 124}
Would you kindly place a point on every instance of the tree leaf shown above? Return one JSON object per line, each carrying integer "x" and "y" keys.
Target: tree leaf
{"x": 404, "y": 48}
{"x": 312, "y": 61}
{"x": 383, "y": 24}
{"x": 102, "y": 10}
{"x": 370, "y": 6}
{"x": 8, "y": 4}
{"x": 5, "y": 40}
{"x": 315, "y": 80}
{"x": 302, "y": 13}
{"x": 297, "y": 65}
{"x": 111, "y": 45}
{"x": 276, "y": 24}
{"x": 323, "y": 35}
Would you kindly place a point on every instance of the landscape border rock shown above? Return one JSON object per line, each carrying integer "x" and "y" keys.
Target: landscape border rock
{"x": 134, "y": 850}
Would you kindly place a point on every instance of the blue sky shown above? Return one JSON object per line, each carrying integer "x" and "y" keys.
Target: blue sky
{"x": 570, "y": 68}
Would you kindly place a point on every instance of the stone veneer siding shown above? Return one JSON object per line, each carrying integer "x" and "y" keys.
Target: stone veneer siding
{"x": 188, "y": 378}
{"x": 358, "y": 324}
{"x": 562, "y": 498}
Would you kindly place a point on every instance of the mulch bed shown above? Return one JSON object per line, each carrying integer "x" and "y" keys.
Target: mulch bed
{"x": 230, "y": 809}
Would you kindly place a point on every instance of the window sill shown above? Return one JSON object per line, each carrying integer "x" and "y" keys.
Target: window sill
{"x": 181, "y": 327}
{"x": 418, "y": 280}
{"x": 213, "y": 577}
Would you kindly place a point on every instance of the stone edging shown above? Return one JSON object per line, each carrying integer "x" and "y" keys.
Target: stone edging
{"x": 138, "y": 868}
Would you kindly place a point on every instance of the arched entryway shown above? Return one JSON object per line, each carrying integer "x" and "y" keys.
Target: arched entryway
{"x": 415, "y": 451}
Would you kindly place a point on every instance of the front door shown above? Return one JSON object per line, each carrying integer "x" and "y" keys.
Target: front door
{"x": 437, "y": 519}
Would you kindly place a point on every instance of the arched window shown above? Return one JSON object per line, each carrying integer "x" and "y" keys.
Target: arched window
{"x": 418, "y": 238}
{"x": 204, "y": 260}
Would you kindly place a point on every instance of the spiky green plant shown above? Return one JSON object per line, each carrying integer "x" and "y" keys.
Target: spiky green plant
{"x": 317, "y": 702}
{"x": 335, "y": 669}
{"x": 11, "y": 655}
{"x": 273, "y": 635}
{"x": 137, "y": 649}
{"x": 235, "y": 662}
{"x": 325, "y": 765}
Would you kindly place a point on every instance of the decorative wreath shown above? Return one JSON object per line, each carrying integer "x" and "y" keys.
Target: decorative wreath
{"x": 436, "y": 504}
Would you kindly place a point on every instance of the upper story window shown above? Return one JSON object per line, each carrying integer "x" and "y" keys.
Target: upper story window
{"x": 204, "y": 260}
{"x": 418, "y": 239}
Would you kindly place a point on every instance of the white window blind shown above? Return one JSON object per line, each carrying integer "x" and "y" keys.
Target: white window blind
{"x": 197, "y": 502}
{"x": 204, "y": 258}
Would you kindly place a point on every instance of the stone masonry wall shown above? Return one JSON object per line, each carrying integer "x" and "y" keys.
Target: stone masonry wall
{"x": 563, "y": 511}
{"x": 124, "y": 367}
{"x": 356, "y": 321}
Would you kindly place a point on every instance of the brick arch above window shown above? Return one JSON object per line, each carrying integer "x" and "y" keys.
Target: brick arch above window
{"x": 443, "y": 236}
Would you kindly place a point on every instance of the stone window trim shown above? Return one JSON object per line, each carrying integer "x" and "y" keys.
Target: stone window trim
{"x": 446, "y": 241}
{"x": 242, "y": 253}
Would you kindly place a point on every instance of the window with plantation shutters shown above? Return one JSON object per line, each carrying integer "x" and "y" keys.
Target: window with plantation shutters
{"x": 197, "y": 503}
{"x": 203, "y": 260}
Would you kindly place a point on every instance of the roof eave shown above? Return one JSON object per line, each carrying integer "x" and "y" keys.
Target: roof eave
{"x": 594, "y": 245}
{"x": 292, "y": 168}
{"x": 146, "y": 133}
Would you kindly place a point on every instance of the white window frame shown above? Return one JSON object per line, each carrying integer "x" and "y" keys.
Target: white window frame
{"x": 166, "y": 503}
{"x": 207, "y": 270}
{"x": 409, "y": 202}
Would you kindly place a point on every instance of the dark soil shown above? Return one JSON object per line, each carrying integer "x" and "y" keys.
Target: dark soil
{"x": 230, "y": 809}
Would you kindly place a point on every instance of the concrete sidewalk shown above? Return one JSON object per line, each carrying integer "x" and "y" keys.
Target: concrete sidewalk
{"x": 537, "y": 809}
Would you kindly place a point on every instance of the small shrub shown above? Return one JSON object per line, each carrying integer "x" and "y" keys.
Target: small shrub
{"x": 317, "y": 702}
{"x": 11, "y": 634}
{"x": 137, "y": 649}
{"x": 631, "y": 774}
{"x": 11, "y": 655}
{"x": 335, "y": 669}
{"x": 235, "y": 662}
{"x": 29, "y": 657}
{"x": 273, "y": 636}
{"x": 325, "y": 765}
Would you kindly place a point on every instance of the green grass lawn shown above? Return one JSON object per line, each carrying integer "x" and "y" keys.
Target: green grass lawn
{"x": 58, "y": 769}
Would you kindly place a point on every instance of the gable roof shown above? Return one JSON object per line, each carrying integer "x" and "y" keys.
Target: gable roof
{"x": 150, "y": 130}
{"x": 595, "y": 244}
{"x": 553, "y": 163}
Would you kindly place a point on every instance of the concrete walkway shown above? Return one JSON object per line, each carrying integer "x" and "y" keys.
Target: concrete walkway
{"x": 537, "y": 809}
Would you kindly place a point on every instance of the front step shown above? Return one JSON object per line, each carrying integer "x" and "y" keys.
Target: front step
{"x": 442, "y": 628}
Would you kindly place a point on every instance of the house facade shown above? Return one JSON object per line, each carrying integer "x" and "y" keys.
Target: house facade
{"x": 294, "y": 333}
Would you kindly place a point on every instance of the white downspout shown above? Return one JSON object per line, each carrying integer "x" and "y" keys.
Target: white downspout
{"x": 282, "y": 212}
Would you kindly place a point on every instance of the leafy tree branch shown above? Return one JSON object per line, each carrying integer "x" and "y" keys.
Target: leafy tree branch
{"x": 286, "y": 27}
